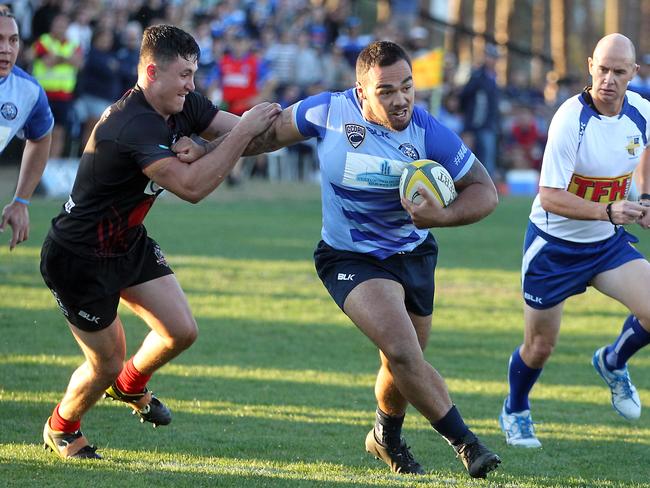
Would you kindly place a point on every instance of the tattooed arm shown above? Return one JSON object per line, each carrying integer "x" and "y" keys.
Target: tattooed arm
{"x": 283, "y": 132}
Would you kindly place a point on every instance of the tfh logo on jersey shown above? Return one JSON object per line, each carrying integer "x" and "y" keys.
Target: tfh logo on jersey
{"x": 409, "y": 151}
{"x": 355, "y": 133}
{"x": 633, "y": 145}
{"x": 600, "y": 189}
{"x": 9, "y": 110}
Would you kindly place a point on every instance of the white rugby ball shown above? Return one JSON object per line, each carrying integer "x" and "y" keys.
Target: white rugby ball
{"x": 431, "y": 175}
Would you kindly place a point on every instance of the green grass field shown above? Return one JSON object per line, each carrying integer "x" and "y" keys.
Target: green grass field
{"x": 278, "y": 389}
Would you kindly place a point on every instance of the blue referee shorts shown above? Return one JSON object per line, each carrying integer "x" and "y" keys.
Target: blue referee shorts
{"x": 554, "y": 269}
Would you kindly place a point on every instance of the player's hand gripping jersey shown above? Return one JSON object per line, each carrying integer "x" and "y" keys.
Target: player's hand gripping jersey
{"x": 592, "y": 156}
{"x": 361, "y": 164}
{"x": 111, "y": 195}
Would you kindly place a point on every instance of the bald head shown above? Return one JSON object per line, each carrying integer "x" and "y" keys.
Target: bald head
{"x": 615, "y": 46}
{"x": 612, "y": 67}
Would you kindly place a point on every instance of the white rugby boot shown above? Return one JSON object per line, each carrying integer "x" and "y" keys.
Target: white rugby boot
{"x": 518, "y": 428}
{"x": 625, "y": 398}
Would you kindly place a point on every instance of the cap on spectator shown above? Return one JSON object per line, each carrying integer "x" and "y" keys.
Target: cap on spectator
{"x": 492, "y": 51}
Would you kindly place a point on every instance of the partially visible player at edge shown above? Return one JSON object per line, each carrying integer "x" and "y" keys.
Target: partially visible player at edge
{"x": 376, "y": 260}
{"x": 97, "y": 250}
{"x": 25, "y": 112}
{"x": 575, "y": 239}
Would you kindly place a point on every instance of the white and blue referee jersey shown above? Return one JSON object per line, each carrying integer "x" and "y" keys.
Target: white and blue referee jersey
{"x": 24, "y": 111}
{"x": 592, "y": 156}
{"x": 361, "y": 163}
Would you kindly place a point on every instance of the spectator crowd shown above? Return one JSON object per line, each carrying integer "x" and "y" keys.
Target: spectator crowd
{"x": 85, "y": 52}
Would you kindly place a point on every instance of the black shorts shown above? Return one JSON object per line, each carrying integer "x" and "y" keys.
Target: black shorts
{"x": 341, "y": 271}
{"x": 87, "y": 290}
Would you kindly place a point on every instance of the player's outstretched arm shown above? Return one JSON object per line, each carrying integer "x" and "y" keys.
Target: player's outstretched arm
{"x": 16, "y": 214}
{"x": 477, "y": 198}
{"x": 283, "y": 132}
{"x": 193, "y": 182}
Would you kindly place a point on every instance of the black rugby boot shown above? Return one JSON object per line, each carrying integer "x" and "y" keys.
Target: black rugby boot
{"x": 144, "y": 404}
{"x": 477, "y": 458}
{"x": 399, "y": 458}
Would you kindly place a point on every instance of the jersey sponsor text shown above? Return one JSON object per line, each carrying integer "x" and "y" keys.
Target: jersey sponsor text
{"x": 600, "y": 189}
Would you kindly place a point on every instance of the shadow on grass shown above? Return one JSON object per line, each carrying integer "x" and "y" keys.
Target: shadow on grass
{"x": 273, "y": 452}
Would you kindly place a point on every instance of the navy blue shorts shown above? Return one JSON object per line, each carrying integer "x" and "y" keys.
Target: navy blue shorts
{"x": 87, "y": 290}
{"x": 341, "y": 271}
{"x": 554, "y": 269}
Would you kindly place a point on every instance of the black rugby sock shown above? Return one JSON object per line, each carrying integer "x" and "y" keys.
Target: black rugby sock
{"x": 388, "y": 429}
{"x": 452, "y": 426}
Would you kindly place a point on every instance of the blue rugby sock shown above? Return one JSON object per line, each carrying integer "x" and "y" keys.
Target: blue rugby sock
{"x": 522, "y": 379}
{"x": 632, "y": 338}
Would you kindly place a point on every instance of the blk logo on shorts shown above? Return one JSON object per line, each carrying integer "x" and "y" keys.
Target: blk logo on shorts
{"x": 64, "y": 311}
{"x": 355, "y": 134}
{"x": 90, "y": 318}
{"x": 533, "y": 298}
{"x": 345, "y": 277}
{"x": 160, "y": 257}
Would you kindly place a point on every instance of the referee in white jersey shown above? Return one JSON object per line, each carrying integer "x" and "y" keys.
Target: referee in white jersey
{"x": 597, "y": 141}
{"x": 24, "y": 111}
{"x": 376, "y": 257}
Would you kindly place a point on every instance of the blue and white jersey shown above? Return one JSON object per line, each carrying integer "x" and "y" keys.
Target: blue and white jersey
{"x": 24, "y": 110}
{"x": 594, "y": 157}
{"x": 361, "y": 164}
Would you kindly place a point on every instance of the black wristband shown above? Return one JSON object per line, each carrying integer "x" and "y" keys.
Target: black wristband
{"x": 644, "y": 196}
{"x": 608, "y": 209}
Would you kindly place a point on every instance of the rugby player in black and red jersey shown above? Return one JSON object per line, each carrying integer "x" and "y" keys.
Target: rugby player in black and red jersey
{"x": 97, "y": 251}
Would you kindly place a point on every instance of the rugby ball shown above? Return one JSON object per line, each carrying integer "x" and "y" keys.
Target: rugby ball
{"x": 430, "y": 175}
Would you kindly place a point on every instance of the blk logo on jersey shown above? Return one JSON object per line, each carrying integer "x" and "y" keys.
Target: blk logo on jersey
{"x": 633, "y": 145}
{"x": 600, "y": 189}
{"x": 355, "y": 134}
{"x": 9, "y": 111}
{"x": 379, "y": 133}
{"x": 409, "y": 151}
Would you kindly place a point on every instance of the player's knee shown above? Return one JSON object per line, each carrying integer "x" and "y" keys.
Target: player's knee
{"x": 108, "y": 370}
{"x": 183, "y": 337}
{"x": 539, "y": 351}
{"x": 402, "y": 356}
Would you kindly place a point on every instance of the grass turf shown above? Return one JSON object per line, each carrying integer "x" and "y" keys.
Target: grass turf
{"x": 278, "y": 389}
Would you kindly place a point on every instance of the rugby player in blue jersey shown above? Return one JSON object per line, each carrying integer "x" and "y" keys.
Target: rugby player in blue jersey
{"x": 377, "y": 257}
{"x": 23, "y": 111}
{"x": 575, "y": 238}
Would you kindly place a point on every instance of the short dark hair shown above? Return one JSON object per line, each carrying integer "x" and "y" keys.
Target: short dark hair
{"x": 5, "y": 11}
{"x": 380, "y": 53}
{"x": 164, "y": 43}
